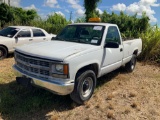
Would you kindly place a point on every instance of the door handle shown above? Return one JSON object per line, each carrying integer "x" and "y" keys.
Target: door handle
{"x": 44, "y": 38}
{"x": 121, "y": 49}
{"x": 30, "y": 39}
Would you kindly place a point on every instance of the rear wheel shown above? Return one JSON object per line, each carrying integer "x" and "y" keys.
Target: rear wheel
{"x": 84, "y": 87}
{"x": 131, "y": 64}
{"x": 3, "y": 52}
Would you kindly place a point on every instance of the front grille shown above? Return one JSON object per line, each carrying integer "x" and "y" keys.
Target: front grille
{"x": 33, "y": 66}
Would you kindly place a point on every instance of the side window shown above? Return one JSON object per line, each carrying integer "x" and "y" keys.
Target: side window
{"x": 38, "y": 33}
{"x": 113, "y": 35}
{"x": 24, "y": 33}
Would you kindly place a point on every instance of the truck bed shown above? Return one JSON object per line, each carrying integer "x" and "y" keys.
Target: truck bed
{"x": 129, "y": 47}
{"x": 126, "y": 39}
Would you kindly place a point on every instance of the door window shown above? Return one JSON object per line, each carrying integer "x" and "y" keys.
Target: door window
{"x": 24, "y": 33}
{"x": 38, "y": 33}
{"x": 113, "y": 35}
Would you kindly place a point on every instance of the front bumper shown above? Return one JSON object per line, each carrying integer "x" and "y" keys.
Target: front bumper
{"x": 55, "y": 87}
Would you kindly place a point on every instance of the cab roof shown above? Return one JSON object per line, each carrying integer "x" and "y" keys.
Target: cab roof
{"x": 102, "y": 24}
{"x": 24, "y": 27}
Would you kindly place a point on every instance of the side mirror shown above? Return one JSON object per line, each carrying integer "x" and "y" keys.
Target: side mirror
{"x": 111, "y": 45}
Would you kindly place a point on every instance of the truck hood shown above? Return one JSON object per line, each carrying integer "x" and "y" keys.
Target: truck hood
{"x": 55, "y": 50}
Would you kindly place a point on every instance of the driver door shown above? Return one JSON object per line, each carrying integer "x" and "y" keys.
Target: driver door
{"x": 23, "y": 37}
{"x": 112, "y": 57}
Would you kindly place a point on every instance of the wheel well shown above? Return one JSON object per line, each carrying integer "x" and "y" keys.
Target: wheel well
{"x": 93, "y": 67}
{"x": 4, "y": 47}
{"x": 135, "y": 52}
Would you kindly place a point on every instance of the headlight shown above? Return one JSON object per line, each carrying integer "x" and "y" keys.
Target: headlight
{"x": 60, "y": 70}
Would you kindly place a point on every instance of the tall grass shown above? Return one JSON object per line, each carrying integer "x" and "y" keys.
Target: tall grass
{"x": 151, "y": 45}
{"x": 49, "y": 27}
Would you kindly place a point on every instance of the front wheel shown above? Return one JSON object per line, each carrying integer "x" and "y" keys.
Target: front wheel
{"x": 131, "y": 64}
{"x": 84, "y": 87}
{"x": 3, "y": 52}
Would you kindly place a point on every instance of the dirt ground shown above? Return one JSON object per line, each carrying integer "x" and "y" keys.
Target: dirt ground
{"x": 119, "y": 96}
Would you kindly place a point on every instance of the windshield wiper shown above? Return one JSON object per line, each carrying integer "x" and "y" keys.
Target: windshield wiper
{"x": 84, "y": 41}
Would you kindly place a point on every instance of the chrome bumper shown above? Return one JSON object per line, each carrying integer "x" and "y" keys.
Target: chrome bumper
{"x": 57, "y": 88}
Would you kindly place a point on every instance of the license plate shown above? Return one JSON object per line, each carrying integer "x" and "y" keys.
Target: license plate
{"x": 24, "y": 81}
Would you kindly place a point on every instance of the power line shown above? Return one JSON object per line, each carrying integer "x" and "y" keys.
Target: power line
{"x": 70, "y": 16}
{"x": 9, "y": 2}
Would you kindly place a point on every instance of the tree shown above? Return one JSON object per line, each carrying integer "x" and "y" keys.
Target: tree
{"x": 24, "y": 16}
{"x": 80, "y": 20}
{"x": 15, "y": 15}
{"x": 144, "y": 22}
{"x": 105, "y": 17}
{"x": 6, "y": 14}
{"x": 90, "y": 7}
{"x": 56, "y": 19}
{"x": 130, "y": 26}
{"x": 31, "y": 14}
{"x": 56, "y": 23}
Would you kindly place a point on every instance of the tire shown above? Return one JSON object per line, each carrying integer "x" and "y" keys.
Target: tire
{"x": 84, "y": 87}
{"x": 3, "y": 52}
{"x": 130, "y": 66}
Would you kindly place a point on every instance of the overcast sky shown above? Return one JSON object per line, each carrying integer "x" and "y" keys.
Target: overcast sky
{"x": 65, "y": 7}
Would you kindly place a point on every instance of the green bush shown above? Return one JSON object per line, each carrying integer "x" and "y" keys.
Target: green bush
{"x": 151, "y": 45}
{"x": 49, "y": 27}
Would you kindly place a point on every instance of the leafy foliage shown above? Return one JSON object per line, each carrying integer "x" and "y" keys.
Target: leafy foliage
{"x": 151, "y": 45}
{"x": 24, "y": 16}
{"x": 6, "y": 14}
{"x": 15, "y": 15}
{"x": 18, "y": 16}
{"x": 53, "y": 24}
{"x": 80, "y": 20}
{"x": 56, "y": 19}
{"x": 130, "y": 26}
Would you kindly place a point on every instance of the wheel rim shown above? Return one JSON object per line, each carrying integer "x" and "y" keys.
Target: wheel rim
{"x": 87, "y": 87}
{"x": 133, "y": 64}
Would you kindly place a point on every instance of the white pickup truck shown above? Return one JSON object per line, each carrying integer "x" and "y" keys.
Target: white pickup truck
{"x": 71, "y": 63}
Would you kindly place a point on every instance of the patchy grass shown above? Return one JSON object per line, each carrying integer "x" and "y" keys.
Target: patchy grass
{"x": 119, "y": 95}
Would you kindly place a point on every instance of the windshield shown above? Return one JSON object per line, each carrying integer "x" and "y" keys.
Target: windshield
{"x": 87, "y": 34}
{"x": 9, "y": 32}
